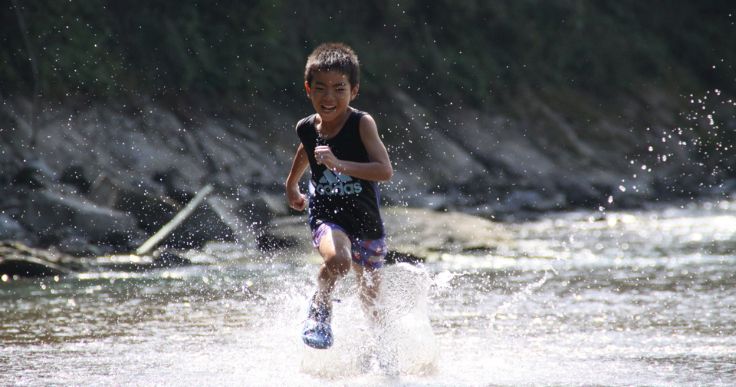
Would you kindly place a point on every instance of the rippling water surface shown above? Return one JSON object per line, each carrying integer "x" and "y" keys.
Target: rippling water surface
{"x": 631, "y": 298}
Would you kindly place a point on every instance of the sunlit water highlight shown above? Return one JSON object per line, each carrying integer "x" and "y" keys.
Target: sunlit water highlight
{"x": 636, "y": 298}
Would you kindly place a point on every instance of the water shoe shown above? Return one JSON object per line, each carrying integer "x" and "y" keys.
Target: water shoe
{"x": 317, "y": 332}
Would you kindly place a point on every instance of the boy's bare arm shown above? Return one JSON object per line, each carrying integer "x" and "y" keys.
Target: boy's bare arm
{"x": 378, "y": 168}
{"x": 295, "y": 198}
{"x": 377, "y": 154}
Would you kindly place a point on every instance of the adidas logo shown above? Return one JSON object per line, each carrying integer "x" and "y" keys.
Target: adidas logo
{"x": 329, "y": 177}
{"x": 337, "y": 184}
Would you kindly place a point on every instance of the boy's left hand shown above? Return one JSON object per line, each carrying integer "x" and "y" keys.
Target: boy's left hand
{"x": 323, "y": 154}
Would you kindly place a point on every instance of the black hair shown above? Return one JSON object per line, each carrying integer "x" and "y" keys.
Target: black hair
{"x": 333, "y": 57}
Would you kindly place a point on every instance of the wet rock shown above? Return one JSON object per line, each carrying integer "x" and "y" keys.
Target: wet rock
{"x": 250, "y": 212}
{"x": 30, "y": 267}
{"x": 79, "y": 246}
{"x": 10, "y": 229}
{"x": 267, "y": 241}
{"x": 19, "y": 260}
{"x": 55, "y": 217}
{"x": 76, "y": 176}
{"x": 581, "y": 193}
{"x": 249, "y": 216}
{"x": 33, "y": 174}
{"x": 204, "y": 225}
{"x": 168, "y": 258}
{"x": 152, "y": 210}
{"x": 393, "y": 257}
{"x": 726, "y": 189}
{"x": 524, "y": 200}
{"x": 171, "y": 179}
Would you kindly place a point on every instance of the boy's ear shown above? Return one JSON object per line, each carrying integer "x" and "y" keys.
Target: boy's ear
{"x": 307, "y": 88}
{"x": 354, "y": 91}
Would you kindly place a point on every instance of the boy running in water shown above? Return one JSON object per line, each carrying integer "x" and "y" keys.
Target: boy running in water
{"x": 347, "y": 159}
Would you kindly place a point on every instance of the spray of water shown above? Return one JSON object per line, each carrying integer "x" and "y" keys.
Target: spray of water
{"x": 401, "y": 343}
{"x": 520, "y": 297}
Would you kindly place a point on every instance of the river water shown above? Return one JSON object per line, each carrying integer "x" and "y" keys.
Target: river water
{"x": 621, "y": 298}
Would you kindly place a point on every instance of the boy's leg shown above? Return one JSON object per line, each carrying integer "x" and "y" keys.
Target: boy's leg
{"x": 334, "y": 247}
{"x": 368, "y": 259}
{"x": 369, "y": 280}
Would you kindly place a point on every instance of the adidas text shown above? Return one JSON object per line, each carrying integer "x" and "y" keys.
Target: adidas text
{"x": 340, "y": 188}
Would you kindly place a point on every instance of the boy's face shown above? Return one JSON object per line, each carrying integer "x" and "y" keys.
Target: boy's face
{"x": 330, "y": 93}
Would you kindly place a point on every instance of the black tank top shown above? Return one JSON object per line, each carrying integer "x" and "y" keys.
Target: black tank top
{"x": 347, "y": 201}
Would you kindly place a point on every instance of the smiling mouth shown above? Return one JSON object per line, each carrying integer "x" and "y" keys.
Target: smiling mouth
{"x": 329, "y": 108}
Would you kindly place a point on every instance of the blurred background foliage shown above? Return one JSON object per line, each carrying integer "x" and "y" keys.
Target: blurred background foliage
{"x": 480, "y": 53}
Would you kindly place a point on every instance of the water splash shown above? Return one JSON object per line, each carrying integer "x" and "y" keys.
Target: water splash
{"x": 505, "y": 311}
{"x": 402, "y": 343}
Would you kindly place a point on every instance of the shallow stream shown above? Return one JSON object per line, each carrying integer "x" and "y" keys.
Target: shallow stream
{"x": 624, "y": 298}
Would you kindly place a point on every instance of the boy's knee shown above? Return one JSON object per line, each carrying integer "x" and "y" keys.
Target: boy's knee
{"x": 338, "y": 264}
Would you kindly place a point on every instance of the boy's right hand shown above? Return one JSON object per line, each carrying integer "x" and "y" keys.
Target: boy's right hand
{"x": 296, "y": 200}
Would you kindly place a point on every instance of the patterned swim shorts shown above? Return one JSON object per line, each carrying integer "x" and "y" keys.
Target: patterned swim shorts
{"x": 367, "y": 253}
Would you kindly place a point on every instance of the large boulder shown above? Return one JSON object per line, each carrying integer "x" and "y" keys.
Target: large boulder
{"x": 10, "y": 229}
{"x": 204, "y": 225}
{"x": 56, "y": 217}
{"x": 152, "y": 210}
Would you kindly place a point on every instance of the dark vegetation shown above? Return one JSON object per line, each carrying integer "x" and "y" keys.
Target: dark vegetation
{"x": 442, "y": 51}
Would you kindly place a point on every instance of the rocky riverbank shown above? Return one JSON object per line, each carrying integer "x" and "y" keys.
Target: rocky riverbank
{"x": 414, "y": 235}
{"x": 94, "y": 179}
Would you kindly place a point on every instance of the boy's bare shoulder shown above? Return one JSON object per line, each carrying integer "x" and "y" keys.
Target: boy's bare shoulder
{"x": 302, "y": 122}
{"x": 367, "y": 122}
